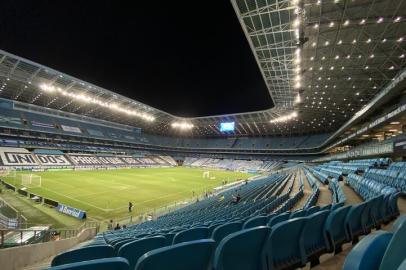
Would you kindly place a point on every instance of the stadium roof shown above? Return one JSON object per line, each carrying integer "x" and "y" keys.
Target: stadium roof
{"x": 323, "y": 61}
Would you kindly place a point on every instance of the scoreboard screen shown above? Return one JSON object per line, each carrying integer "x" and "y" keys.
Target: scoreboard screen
{"x": 227, "y": 126}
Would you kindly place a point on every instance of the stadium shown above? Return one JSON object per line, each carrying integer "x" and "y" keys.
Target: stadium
{"x": 93, "y": 177}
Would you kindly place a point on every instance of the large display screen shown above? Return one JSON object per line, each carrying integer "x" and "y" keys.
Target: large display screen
{"x": 227, "y": 126}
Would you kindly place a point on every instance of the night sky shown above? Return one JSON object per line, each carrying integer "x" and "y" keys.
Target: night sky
{"x": 185, "y": 57}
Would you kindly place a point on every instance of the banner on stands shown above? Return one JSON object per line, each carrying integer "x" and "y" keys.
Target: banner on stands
{"x": 67, "y": 210}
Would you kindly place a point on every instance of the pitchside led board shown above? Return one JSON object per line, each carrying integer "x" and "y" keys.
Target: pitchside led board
{"x": 227, "y": 126}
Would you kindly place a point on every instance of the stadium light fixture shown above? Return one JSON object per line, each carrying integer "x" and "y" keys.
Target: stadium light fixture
{"x": 284, "y": 118}
{"x": 88, "y": 99}
{"x": 182, "y": 125}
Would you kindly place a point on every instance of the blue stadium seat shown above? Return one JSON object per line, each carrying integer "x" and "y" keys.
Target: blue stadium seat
{"x": 134, "y": 250}
{"x": 337, "y": 205}
{"x": 325, "y": 207}
{"x": 312, "y": 210}
{"x": 169, "y": 237}
{"x": 402, "y": 266}
{"x": 299, "y": 213}
{"x": 114, "y": 263}
{"x": 368, "y": 253}
{"x": 353, "y": 221}
{"x": 282, "y": 249}
{"x": 222, "y": 231}
{"x": 191, "y": 234}
{"x": 255, "y": 222}
{"x": 399, "y": 221}
{"x": 393, "y": 204}
{"x": 395, "y": 254}
{"x": 194, "y": 255}
{"x": 313, "y": 240}
{"x": 279, "y": 218}
{"x": 83, "y": 254}
{"x": 335, "y": 228}
{"x": 242, "y": 250}
{"x": 119, "y": 244}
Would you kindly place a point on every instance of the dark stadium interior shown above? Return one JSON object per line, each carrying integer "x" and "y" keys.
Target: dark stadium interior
{"x": 219, "y": 135}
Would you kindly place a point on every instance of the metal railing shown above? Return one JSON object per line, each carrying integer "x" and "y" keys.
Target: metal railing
{"x": 40, "y": 234}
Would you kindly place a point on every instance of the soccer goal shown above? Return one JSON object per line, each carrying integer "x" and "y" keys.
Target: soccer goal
{"x": 206, "y": 174}
{"x": 31, "y": 180}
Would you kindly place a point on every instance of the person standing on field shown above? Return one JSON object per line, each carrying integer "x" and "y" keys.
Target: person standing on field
{"x": 110, "y": 225}
{"x": 130, "y": 206}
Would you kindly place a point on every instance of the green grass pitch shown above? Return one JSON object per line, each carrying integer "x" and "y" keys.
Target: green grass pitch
{"x": 105, "y": 194}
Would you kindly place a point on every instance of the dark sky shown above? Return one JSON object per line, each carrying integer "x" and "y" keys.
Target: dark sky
{"x": 188, "y": 58}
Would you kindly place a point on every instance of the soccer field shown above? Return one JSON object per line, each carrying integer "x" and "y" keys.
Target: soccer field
{"x": 105, "y": 194}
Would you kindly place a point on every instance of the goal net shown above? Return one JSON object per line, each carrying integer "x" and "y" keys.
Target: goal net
{"x": 31, "y": 180}
{"x": 206, "y": 174}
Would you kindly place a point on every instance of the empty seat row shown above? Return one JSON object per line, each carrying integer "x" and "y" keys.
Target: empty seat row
{"x": 286, "y": 241}
{"x": 380, "y": 250}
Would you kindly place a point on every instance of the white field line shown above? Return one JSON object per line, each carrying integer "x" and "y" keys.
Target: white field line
{"x": 71, "y": 198}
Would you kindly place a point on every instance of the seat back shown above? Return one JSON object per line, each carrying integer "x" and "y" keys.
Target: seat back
{"x": 395, "y": 253}
{"x": 313, "y": 210}
{"x": 134, "y": 250}
{"x": 326, "y": 207}
{"x": 255, "y": 222}
{"x": 282, "y": 249}
{"x": 335, "y": 227}
{"x": 83, "y": 254}
{"x": 398, "y": 222}
{"x": 114, "y": 263}
{"x": 279, "y": 218}
{"x": 194, "y": 255}
{"x": 191, "y": 234}
{"x": 368, "y": 253}
{"x": 337, "y": 205}
{"x": 354, "y": 220}
{"x": 118, "y": 245}
{"x": 297, "y": 214}
{"x": 242, "y": 250}
{"x": 222, "y": 231}
{"x": 313, "y": 240}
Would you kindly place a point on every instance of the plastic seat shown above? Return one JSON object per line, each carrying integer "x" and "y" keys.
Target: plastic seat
{"x": 399, "y": 221}
{"x": 336, "y": 206}
{"x": 368, "y": 253}
{"x": 395, "y": 253}
{"x": 118, "y": 245}
{"x": 402, "y": 266}
{"x": 354, "y": 221}
{"x": 282, "y": 249}
{"x": 194, "y": 255}
{"x": 277, "y": 219}
{"x": 99, "y": 264}
{"x": 312, "y": 210}
{"x": 297, "y": 214}
{"x": 325, "y": 207}
{"x": 313, "y": 240}
{"x": 222, "y": 231}
{"x": 132, "y": 251}
{"x": 191, "y": 235}
{"x": 335, "y": 228}
{"x": 255, "y": 222}
{"x": 242, "y": 250}
{"x": 83, "y": 254}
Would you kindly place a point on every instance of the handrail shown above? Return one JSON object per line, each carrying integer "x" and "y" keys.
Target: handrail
{"x": 20, "y": 237}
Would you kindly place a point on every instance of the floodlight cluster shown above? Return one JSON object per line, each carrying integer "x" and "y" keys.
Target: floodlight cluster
{"x": 284, "y": 118}
{"x": 88, "y": 99}
{"x": 182, "y": 125}
{"x": 297, "y": 57}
